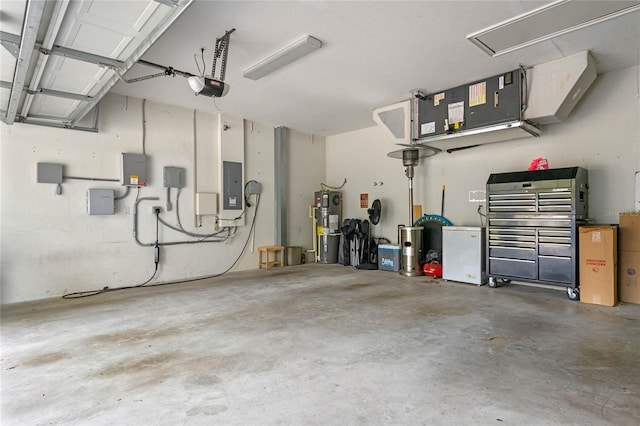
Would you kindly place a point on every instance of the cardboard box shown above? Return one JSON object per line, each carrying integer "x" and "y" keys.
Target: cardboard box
{"x": 598, "y": 264}
{"x": 629, "y": 276}
{"x": 630, "y": 231}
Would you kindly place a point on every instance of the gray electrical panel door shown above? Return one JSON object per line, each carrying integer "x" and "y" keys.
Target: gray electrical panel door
{"x": 232, "y": 185}
{"x": 490, "y": 101}
{"x": 100, "y": 201}
{"x": 497, "y": 100}
{"x": 433, "y": 111}
{"x": 134, "y": 169}
{"x": 174, "y": 177}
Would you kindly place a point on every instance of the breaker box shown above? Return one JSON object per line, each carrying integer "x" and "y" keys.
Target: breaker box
{"x": 232, "y": 198}
{"x": 134, "y": 169}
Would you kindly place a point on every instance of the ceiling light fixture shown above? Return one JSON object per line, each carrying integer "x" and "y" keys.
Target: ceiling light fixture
{"x": 551, "y": 20}
{"x": 291, "y": 53}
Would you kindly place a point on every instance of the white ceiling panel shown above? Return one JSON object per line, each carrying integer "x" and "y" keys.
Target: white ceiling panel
{"x": 100, "y": 28}
{"x": 69, "y": 75}
{"x": 50, "y": 106}
{"x": 607, "y": 42}
{"x": 557, "y": 18}
{"x": 4, "y": 97}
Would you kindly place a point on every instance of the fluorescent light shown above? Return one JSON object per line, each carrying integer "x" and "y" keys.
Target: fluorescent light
{"x": 551, "y": 20}
{"x": 289, "y": 54}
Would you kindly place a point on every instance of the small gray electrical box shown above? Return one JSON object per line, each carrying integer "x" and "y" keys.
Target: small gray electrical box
{"x": 49, "y": 173}
{"x": 253, "y": 187}
{"x": 100, "y": 201}
{"x": 134, "y": 170}
{"x": 174, "y": 177}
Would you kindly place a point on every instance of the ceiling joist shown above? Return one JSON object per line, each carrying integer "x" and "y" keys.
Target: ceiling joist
{"x": 30, "y": 29}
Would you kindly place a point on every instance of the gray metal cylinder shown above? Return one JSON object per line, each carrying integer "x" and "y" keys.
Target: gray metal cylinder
{"x": 328, "y": 248}
{"x": 411, "y": 249}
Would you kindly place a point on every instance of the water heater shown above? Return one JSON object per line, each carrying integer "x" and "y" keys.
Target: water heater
{"x": 328, "y": 206}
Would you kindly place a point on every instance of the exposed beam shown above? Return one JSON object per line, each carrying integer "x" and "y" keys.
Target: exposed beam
{"x": 58, "y": 125}
{"x": 11, "y": 42}
{"x": 59, "y": 11}
{"x": 33, "y": 17}
{"x": 60, "y": 94}
{"x": 83, "y": 56}
{"x": 170, "y": 3}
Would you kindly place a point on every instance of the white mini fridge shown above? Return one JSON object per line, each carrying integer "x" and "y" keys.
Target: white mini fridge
{"x": 463, "y": 254}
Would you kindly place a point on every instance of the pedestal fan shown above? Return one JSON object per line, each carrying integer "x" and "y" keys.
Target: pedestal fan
{"x": 374, "y": 218}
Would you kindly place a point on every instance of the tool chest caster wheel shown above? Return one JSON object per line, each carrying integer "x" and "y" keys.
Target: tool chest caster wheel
{"x": 493, "y": 283}
{"x": 573, "y": 293}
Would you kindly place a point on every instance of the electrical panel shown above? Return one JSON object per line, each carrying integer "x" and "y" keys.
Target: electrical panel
{"x": 232, "y": 185}
{"x": 100, "y": 201}
{"x": 174, "y": 177}
{"x": 134, "y": 170}
{"x": 487, "y": 102}
{"x": 49, "y": 173}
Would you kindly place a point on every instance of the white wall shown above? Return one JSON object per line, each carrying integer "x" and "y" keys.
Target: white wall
{"x": 50, "y": 246}
{"x": 602, "y": 134}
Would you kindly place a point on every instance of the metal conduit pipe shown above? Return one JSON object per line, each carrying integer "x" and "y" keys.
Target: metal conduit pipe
{"x": 135, "y": 220}
{"x": 191, "y": 234}
{"x": 171, "y": 243}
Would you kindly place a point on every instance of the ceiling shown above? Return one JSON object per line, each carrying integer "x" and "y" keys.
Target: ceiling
{"x": 374, "y": 53}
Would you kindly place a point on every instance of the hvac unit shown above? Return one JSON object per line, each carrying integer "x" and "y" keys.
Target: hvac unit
{"x": 503, "y": 107}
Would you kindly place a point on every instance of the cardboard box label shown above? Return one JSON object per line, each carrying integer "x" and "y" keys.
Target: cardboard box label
{"x": 596, "y": 237}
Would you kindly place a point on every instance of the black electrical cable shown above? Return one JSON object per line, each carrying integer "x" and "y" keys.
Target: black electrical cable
{"x": 246, "y": 200}
{"x": 246, "y": 243}
{"x": 482, "y": 215}
{"x": 325, "y": 186}
{"x": 106, "y": 289}
{"x": 81, "y": 294}
{"x": 202, "y": 237}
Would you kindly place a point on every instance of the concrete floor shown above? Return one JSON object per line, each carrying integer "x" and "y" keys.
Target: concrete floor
{"x": 321, "y": 345}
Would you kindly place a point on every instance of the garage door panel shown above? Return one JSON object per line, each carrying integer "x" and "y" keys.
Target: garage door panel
{"x": 52, "y": 106}
{"x": 107, "y": 28}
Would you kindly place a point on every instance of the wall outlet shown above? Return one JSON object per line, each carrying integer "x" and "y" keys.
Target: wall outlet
{"x": 477, "y": 196}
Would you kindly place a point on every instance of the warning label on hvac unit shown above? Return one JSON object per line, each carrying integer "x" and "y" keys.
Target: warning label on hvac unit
{"x": 133, "y": 179}
{"x": 478, "y": 94}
